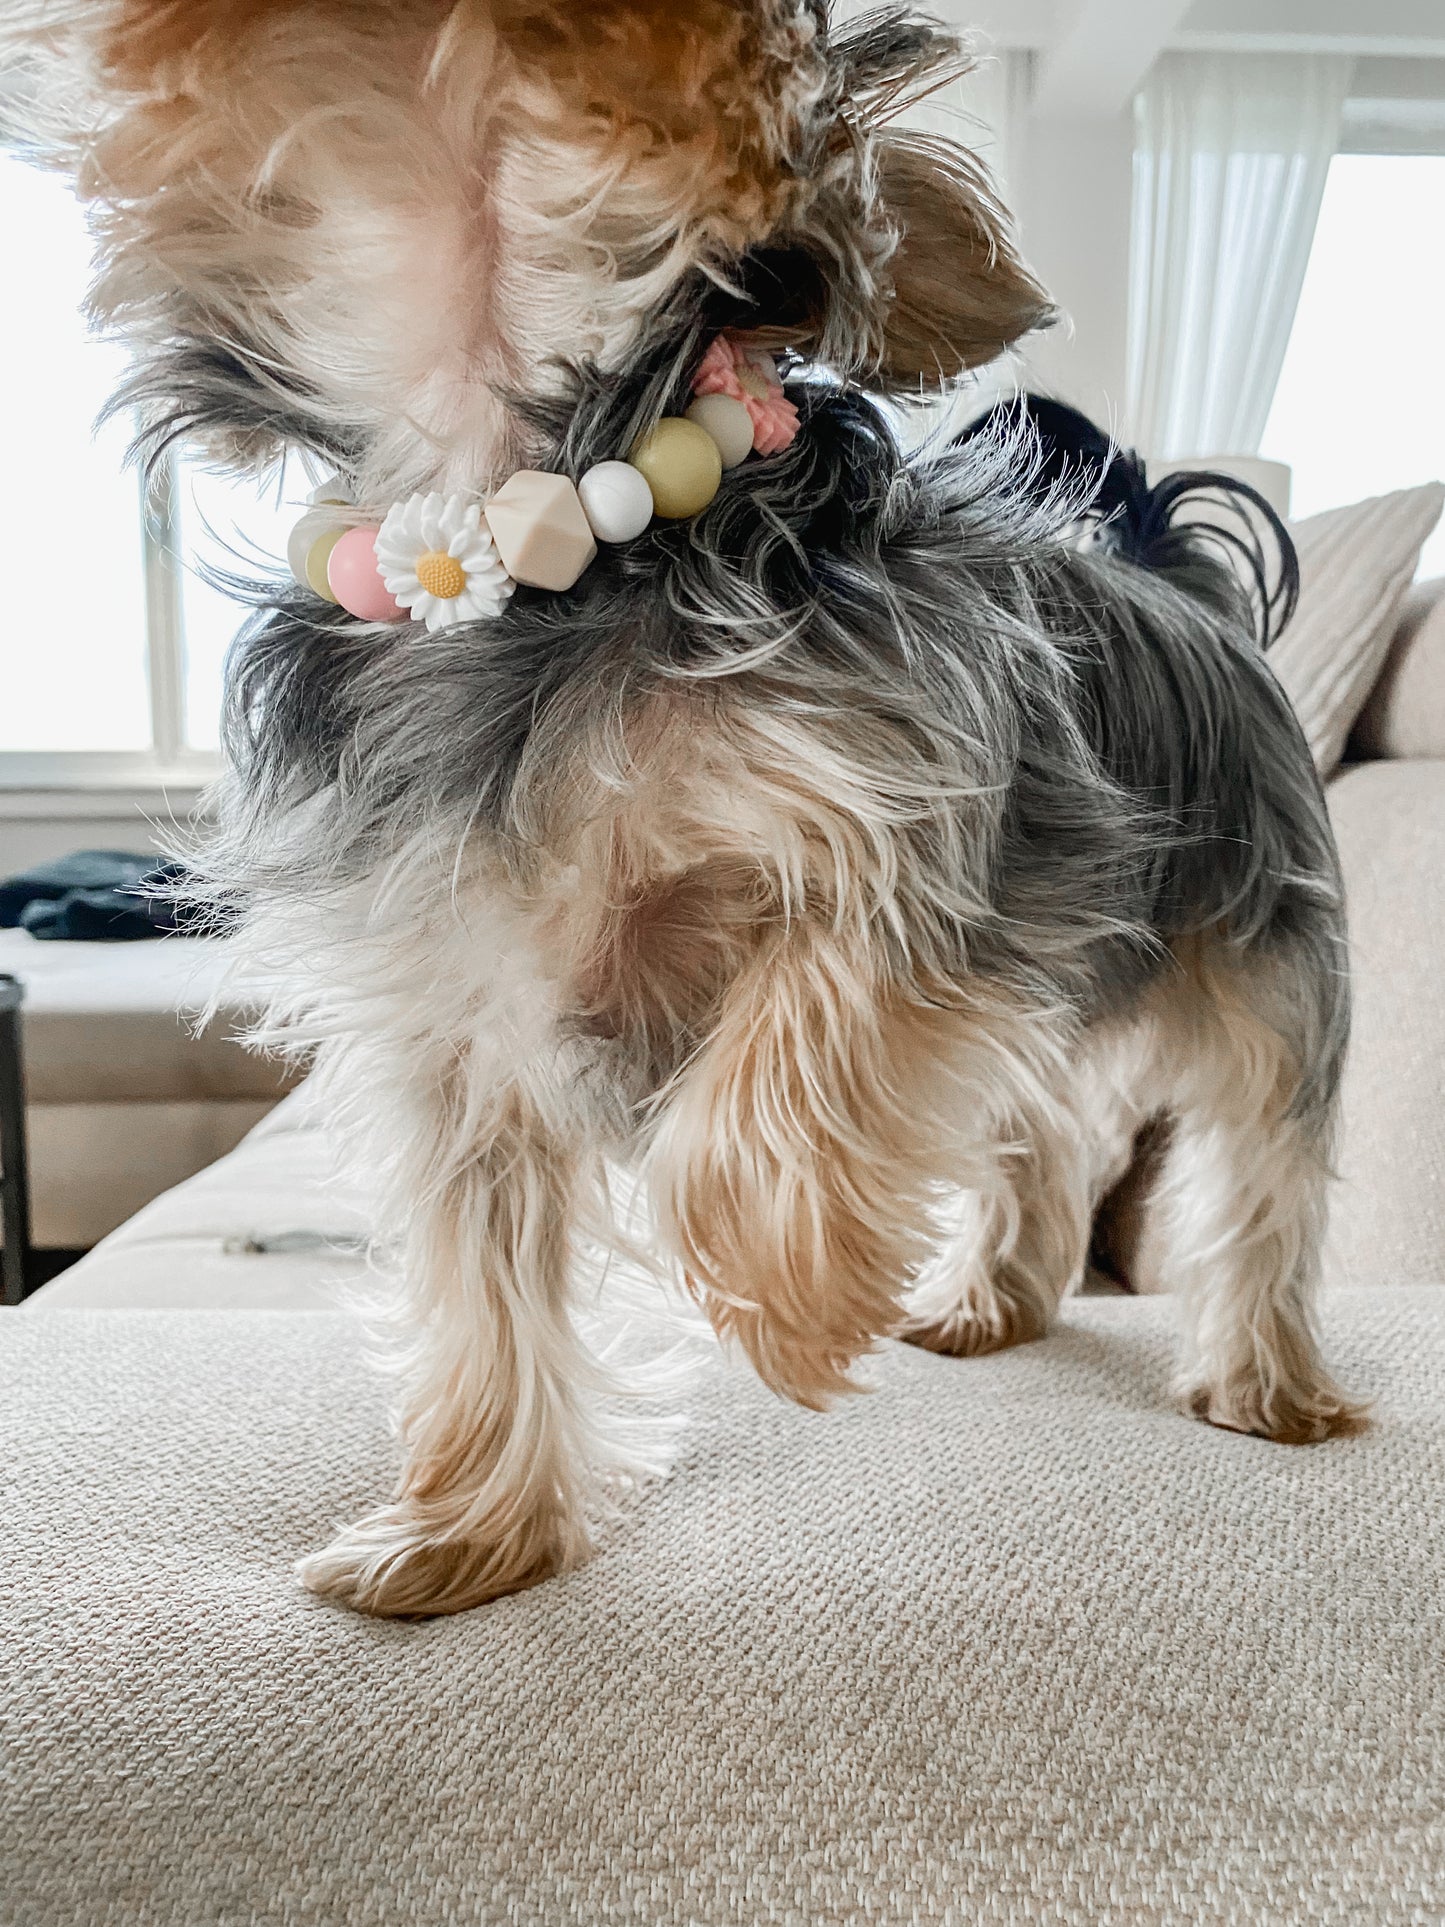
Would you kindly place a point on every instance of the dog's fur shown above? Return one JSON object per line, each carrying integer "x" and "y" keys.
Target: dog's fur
{"x": 860, "y": 840}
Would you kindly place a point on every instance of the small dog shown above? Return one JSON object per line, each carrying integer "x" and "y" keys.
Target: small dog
{"x": 854, "y": 840}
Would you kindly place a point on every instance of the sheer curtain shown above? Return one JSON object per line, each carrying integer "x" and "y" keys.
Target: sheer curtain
{"x": 1231, "y": 156}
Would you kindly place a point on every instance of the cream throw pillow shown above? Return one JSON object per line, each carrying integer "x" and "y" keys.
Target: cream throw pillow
{"x": 1356, "y": 567}
{"x": 1405, "y": 715}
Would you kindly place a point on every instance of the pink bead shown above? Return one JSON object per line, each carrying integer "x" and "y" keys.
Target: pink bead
{"x": 356, "y": 581}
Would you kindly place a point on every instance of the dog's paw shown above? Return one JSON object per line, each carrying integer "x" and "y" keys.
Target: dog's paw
{"x": 393, "y": 1565}
{"x": 1289, "y": 1415}
{"x": 972, "y": 1333}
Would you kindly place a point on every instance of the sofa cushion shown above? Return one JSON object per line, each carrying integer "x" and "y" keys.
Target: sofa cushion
{"x": 271, "y": 1225}
{"x": 1005, "y": 1641}
{"x": 1388, "y": 1221}
{"x": 109, "y": 1023}
{"x": 1405, "y": 715}
{"x": 92, "y": 1166}
{"x": 1356, "y": 567}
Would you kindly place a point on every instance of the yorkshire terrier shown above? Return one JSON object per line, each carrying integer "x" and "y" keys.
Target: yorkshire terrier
{"x": 842, "y": 837}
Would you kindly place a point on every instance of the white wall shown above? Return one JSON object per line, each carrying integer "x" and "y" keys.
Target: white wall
{"x": 1069, "y": 185}
{"x": 1073, "y": 202}
{"x": 35, "y": 828}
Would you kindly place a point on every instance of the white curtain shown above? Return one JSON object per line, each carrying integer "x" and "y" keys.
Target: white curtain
{"x": 1231, "y": 156}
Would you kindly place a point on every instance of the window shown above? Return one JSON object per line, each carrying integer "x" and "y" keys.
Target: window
{"x": 74, "y": 661}
{"x": 110, "y": 649}
{"x": 1360, "y": 407}
{"x": 238, "y": 530}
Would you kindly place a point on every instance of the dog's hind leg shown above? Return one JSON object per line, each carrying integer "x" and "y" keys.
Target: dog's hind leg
{"x": 1021, "y": 1246}
{"x": 1236, "y": 1218}
{"x": 501, "y": 1451}
{"x": 1021, "y": 1243}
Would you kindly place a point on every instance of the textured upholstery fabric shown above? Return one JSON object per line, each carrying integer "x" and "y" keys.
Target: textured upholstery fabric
{"x": 1388, "y": 1221}
{"x": 1005, "y": 1641}
{"x": 1356, "y": 566}
{"x": 93, "y": 1165}
{"x": 1405, "y": 715}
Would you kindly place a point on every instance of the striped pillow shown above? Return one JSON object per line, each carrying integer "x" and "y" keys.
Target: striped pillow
{"x": 1356, "y": 568}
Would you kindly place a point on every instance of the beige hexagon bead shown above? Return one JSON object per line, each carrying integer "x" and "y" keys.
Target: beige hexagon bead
{"x": 541, "y": 532}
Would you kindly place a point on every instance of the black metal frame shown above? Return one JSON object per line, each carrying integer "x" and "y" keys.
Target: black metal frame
{"x": 16, "y": 1266}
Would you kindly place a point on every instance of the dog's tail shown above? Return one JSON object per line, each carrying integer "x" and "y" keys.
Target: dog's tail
{"x": 1209, "y": 533}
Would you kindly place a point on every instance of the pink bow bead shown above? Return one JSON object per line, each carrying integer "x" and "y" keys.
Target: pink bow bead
{"x": 749, "y": 376}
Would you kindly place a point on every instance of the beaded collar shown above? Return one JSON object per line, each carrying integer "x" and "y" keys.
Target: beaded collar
{"x": 445, "y": 559}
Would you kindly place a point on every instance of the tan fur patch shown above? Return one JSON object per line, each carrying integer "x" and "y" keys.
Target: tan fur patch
{"x": 797, "y": 1171}
{"x": 154, "y": 42}
{"x": 706, "y": 94}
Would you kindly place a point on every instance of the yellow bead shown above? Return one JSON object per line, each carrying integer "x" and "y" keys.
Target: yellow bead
{"x": 682, "y": 466}
{"x": 317, "y": 557}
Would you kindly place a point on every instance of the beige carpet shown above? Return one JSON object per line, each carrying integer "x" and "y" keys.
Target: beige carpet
{"x": 1005, "y": 1642}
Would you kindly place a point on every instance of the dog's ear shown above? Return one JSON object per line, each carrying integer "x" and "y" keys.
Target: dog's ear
{"x": 917, "y": 253}
{"x": 282, "y": 209}
{"x": 958, "y": 291}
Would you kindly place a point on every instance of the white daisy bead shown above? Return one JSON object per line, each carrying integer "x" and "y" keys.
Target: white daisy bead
{"x": 617, "y": 501}
{"x": 437, "y": 557}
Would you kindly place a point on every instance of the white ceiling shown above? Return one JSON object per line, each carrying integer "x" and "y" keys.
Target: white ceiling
{"x": 1114, "y": 29}
{"x": 1093, "y": 54}
{"x": 1099, "y": 53}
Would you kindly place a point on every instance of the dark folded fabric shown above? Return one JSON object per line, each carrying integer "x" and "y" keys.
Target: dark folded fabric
{"x": 98, "y": 896}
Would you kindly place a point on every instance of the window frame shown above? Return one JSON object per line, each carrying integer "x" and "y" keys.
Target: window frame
{"x": 170, "y": 766}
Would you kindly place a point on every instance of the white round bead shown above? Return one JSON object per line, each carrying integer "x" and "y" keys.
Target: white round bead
{"x": 729, "y": 424}
{"x": 616, "y": 501}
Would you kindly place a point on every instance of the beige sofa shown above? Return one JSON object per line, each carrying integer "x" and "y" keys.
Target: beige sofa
{"x": 125, "y": 1097}
{"x": 1006, "y": 1641}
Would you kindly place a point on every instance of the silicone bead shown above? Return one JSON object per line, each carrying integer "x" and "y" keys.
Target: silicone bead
{"x": 729, "y": 424}
{"x": 541, "y": 532}
{"x": 318, "y": 559}
{"x": 333, "y": 490}
{"x": 356, "y": 581}
{"x": 313, "y": 525}
{"x": 683, "y": 466}
{"x": 617, "y": 501}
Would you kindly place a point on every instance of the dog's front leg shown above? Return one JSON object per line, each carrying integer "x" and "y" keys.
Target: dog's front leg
{"x": 500, "y": 1455}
